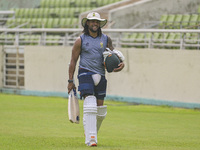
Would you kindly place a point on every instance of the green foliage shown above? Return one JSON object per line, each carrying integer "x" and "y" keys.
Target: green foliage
{"x": 41, "y": 123}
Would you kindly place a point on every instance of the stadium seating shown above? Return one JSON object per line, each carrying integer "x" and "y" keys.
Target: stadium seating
{"x": 50, "y": 14}
{"x": 168, "y": 40}
{"x": 51, "y": 11}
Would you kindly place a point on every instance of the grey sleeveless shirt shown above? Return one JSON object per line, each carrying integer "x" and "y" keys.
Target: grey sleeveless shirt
{"x": 91, "y": 57}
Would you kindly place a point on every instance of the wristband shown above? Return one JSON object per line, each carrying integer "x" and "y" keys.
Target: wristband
{"x": 70, "y": 81}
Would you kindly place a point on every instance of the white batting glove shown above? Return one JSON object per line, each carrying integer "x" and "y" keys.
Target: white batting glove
{"x": 106, "y": 53}
{"x": 117, "y": 52}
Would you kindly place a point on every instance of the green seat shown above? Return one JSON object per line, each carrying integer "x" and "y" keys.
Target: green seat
{"x": 39, "y": 23}
{"x": 35, "y": 13}
{"x": 193, "y": 21}
{"x": 191, "y": 38}
{"x": 199, "y": 10}
{"x": 170, "y": 21}
{"x": 10, "y": 23}
{"x": 49, "y": 23}
{"x": 16, "y": 12}
{"x": 26, "y": 13}
{"x": 62, "y": 23}
{"x": 31, "y": 12}
{"x": 45, "y": 13}
{"x": 64, "y": 3}
{"x": 78, "y": 3}
{"x": 178, "y": 37}
{"x": 125, "y": 39}
{"x": 140, "y": 37}
{"x": 55, "y": 23}
{"x": 63, "y": 12}
{"x": 163, "y": 21}
{"x": 77, "y": 11}
{"x": 164, "y": 37}
{"x": 56, "y": 39}
{"x": 57, "y": 3}
{"x": 20, "y": 13}
{"x": 185, "y": 21}
{"x": 25, "y": 21}
{"x": 33, "y": 23}
{"x": 56, "y": 12}
{"x": 34, "y": 39}
{"x": 51, "y": 4}
{"x": 133, "y": 36}
{"x": 156, "y": 37}
{"x": 71, "y": 11}
{"x": 47, "y": 3}
{"x": 68, "y": 22}
{"x": 171, "y": 37}
{"x": 51, "y": 13}
{"x": 49, "y": 39}
{"x": 94, "y": 3}
{"x": 147, "y": 35}
{"x": 74, "y": 23}
{"x": 105, "y": 2}
{"x": 44, "y": 22}
{"x": 87, "y": 3}
{"x": 198, "y": 22}
{"x": 42, "y": 3}
{"x": 40, "y": 13}
{"x": 177, "y": 21}
{"x": 18, "y": 21}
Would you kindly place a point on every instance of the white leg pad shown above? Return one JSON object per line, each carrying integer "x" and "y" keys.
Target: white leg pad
{"x": 101, "y": 114}
{"x": 90, "y": 119}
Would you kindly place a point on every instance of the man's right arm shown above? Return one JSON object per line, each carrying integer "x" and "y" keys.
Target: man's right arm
{"x": 74, "y": 57}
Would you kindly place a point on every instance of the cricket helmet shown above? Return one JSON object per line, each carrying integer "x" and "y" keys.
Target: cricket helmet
{"x": 111, "y": 62}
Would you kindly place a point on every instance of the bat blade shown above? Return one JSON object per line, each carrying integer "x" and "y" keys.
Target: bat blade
{"x": 73, "y": 107}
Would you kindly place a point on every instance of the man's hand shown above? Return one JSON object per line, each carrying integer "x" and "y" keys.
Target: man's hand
{"x": 71, "y": 86}
{"x": 121, "y": 66}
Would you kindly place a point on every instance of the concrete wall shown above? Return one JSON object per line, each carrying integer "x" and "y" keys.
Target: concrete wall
{"x": 158, "y": 74}
{"x": 171, "y": 75}
{"x": 8, "y": 4}
{"x": 150, "y": 10}
{"x": 1, "y": 66}
{"x": 46, "y": 68}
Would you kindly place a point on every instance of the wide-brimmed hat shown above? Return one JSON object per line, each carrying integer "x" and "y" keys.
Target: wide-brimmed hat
{"x": 94, "y": 16}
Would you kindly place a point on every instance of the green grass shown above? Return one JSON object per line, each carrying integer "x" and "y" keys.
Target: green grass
{"x": 41, "y": 123}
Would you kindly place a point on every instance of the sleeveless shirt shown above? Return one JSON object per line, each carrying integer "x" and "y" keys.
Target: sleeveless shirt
{"x": 91, "y": 56}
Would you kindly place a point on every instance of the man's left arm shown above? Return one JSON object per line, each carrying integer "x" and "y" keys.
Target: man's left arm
{"x": 118, "y": 53}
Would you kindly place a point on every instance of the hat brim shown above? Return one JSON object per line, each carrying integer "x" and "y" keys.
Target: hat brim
{"x": 102, "y": 21}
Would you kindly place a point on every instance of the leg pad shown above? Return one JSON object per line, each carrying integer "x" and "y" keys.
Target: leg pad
{"x": 90, "y": 119}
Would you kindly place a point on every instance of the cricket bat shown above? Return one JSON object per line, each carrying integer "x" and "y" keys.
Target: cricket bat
{"x": 73, "y": 107}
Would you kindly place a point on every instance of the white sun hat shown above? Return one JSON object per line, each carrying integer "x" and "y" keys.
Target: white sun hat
{"x": 94, "y": 16}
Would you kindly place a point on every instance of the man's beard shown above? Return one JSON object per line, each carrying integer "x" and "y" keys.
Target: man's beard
{"x": 91, "y": 29}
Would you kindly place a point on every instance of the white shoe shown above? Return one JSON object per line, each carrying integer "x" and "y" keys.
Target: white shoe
{"x": 92, "y": 144}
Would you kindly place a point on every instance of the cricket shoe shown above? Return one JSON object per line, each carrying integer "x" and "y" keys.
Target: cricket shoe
{"x": 92, "y": 144}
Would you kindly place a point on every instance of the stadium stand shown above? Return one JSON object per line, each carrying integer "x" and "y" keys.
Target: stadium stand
{"x": 167, "y": 40}
{"x": 65, "y": 14}
{"x": 50, "y": 14}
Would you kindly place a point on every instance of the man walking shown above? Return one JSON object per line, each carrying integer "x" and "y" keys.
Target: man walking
{"x": 90, "y": 46}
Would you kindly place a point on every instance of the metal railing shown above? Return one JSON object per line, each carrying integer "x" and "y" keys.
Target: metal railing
{"x": 66, "y": 37}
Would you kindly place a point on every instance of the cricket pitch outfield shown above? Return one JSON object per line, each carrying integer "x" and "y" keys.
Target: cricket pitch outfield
{"x": 41, "y": 123}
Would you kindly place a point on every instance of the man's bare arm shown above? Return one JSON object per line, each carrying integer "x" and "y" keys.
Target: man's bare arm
{"x": 109, "y": 44}
{"x": 76, "y": 50}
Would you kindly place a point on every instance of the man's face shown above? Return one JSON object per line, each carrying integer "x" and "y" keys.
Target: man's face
{"x": 93, "y": 25}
